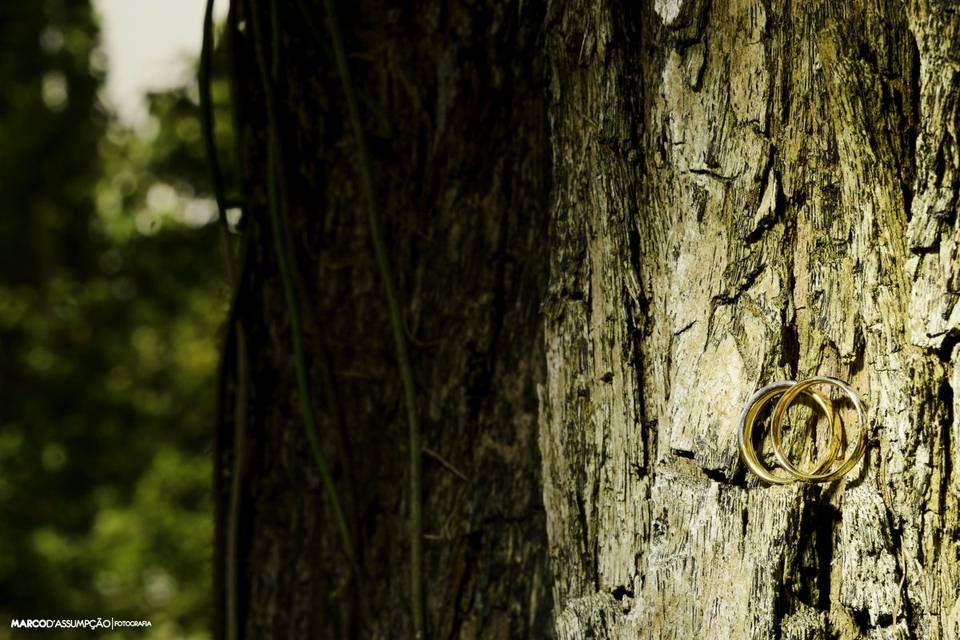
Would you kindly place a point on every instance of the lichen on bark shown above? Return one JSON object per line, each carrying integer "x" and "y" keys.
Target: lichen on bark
{"x": 748, "y": 191}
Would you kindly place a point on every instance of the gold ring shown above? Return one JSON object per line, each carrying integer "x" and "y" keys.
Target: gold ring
{"x": 748, "y": 419}
{"x": 776, "y": 430}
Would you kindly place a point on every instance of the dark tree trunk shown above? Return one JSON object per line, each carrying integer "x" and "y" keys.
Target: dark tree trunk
{"x": 452, "y": 106}
{"x": 609, "y": 224}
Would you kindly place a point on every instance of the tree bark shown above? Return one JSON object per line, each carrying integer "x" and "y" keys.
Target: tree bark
{"x": 609, "y": 224}
{"x": 745, "y": 192}
{"x": 456, "y": 121}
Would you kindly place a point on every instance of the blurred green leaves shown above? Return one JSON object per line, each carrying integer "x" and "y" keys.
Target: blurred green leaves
{"x": 111, "y": 296}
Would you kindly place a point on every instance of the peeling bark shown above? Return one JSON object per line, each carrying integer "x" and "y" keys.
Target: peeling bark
{"x": 750, "y": 191}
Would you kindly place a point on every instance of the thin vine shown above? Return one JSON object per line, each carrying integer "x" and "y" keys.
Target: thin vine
{"x": 204, "y": 81}
{"x": 227, "y": 555}
{"x": 277, "y": 210}
{"x": 365, "y": 172}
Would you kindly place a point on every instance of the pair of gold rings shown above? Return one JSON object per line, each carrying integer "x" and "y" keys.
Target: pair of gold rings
{"x": 789, "y": 390}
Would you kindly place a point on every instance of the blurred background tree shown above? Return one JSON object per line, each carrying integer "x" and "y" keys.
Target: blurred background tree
{"x": 111, "y": 297}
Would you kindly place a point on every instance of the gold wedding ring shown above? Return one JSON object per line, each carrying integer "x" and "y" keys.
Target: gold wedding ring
{"x": 789, "y": 390}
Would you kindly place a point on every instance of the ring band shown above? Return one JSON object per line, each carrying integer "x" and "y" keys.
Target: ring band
{"x": 752, "y": 410}
{"x": 776, "y": 430}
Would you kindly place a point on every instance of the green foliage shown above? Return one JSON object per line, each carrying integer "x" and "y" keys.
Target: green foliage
{"x": 111, "y": 295}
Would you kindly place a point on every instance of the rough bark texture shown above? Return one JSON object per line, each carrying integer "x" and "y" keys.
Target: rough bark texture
{"x": 446, "y": 91}
{"x": 610, "y": 223}
{"x": 749, "y": 191}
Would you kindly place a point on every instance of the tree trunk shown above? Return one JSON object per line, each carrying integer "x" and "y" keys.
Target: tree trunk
{"x": 452, "y": 104}
{"x": 746, "y": 192}
{"x": 609, "y": 224}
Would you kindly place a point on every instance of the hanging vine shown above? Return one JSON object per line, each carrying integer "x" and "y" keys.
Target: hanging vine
{"x": 365, "y": 176}
{"x": 277, "y": 209}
